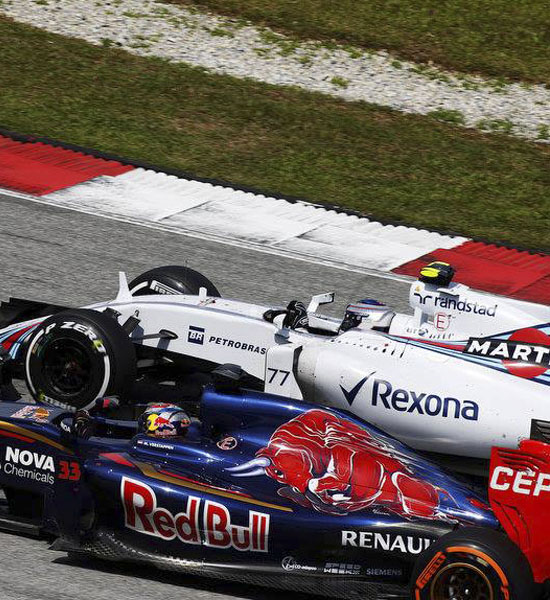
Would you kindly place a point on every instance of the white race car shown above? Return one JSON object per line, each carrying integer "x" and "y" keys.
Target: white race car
{"x": 464, "y": 372}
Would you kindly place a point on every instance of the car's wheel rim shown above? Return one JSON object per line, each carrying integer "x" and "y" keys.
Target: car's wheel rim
{"x": 67, "y": 369}
{"x": 461, "y": 581}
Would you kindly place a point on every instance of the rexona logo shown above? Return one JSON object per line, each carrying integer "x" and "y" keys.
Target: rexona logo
{"x": 390, "y": 542}
{"x": 29, "y": 465}
{"x": 450, "y": 303}
{"x": 527, "y": 483}
{"x": 212, "y": 519}
{"x": 422, "y": 403}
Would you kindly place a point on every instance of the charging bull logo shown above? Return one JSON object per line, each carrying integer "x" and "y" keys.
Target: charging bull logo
{"x": 334, "y": 466}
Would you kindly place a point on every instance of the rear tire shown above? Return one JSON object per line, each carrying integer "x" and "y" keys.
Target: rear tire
{"x": 77, "y": 356}
{"x": 475, "y": 563}
{"x": 172, "y": 280}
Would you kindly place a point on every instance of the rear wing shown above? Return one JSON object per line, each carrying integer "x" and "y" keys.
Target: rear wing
{"x": 519, "y": 493}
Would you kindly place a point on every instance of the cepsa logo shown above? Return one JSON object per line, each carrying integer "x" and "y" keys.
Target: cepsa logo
{"x": 527, "y": 483}
{"x": 142, "y": 514}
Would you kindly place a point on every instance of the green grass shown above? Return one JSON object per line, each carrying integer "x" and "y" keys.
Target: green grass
{"x": 498, "y": 38}
{"x": 414, "y": 169}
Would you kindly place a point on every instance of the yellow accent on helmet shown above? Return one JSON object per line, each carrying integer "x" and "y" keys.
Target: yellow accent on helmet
{"x": 152, "y": 422}
{"x": 429, "y": 272}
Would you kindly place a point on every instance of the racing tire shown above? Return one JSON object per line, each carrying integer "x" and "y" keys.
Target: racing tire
{"x": 77, "y": 356}
{"x": 172, "y": 280}
{"x": 475, "y": 563}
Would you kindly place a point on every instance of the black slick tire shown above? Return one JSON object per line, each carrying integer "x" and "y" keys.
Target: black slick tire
{"x": 77, "y": 356}
{"x": 172, "y": 280}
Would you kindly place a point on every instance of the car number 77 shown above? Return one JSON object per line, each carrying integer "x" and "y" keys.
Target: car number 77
{"x": 279, "y": 373}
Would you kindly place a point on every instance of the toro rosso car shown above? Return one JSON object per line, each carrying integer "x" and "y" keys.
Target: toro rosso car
{"x": 268, "y": 490}
{"x": 462, "y": 373}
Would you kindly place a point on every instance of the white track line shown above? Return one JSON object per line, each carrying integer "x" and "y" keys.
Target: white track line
{"x": 159, "y": 226}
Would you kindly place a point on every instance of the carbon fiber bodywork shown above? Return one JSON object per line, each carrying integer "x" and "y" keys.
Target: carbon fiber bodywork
{"x": 106, "y": 546}
{"x": 261, "y": 489}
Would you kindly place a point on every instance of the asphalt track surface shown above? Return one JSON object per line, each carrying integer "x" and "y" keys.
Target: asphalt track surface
{"x": 69, "y": 258}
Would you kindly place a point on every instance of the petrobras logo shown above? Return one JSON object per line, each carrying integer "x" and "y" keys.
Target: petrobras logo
{"x": 238, "y": 345}
{"x": 453, "y": 304}
{"x": 388, "y": 542}
{"x": 195, "y": 335}
{"x": 205, "y": 517}
{"x": 526, "y": 483}
{"x": 422, "y": 403}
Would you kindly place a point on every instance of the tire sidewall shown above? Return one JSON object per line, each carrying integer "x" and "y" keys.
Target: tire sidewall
{"x": 489, "y": 552}
{"x": 93, "y": 342}
{"x": 171, "y": 280}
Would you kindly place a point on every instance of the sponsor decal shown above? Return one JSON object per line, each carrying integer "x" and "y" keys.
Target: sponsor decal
{"x": 377, "y": 572}
{"x": 29, "y": 465}
{"x": 33, "y": 413}
{"x": 201, "y": 522}
{"x": 81, "y": 328}
{"x": 334, "y": 466}
{"x": 195, "y": 335}
{"x": 389, "y": 542}
{"x": 342, "y": 569}
{"x": 350, "y": 395}
{"x": 442, "y": 321}
{"x": 451, "y": 303}
{"x": 527, "y": 483}
{"x": 526, "y": 353}
{"x": 290, "y": 564}
{"x": 42, "y": 397}
{"x": 228, "y": 443}
{"x": 422, "y": 403}
{"x": 160, "y": 288}
{"x": 238, "y": 345}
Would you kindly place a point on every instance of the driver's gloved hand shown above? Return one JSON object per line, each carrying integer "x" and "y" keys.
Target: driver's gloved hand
{"x": 83, "y": 425}
{"x": 296, "y": 315}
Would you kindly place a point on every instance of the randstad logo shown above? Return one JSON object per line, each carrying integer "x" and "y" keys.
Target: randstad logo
{"x": 422, "y": 403}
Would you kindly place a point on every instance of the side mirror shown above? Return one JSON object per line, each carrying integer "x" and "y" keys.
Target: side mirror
{"x": 319, "y": 300}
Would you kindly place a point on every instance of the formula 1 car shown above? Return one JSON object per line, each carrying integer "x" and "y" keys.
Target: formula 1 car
{"x": 466, "y": 371}
{"x": 266, "y": 490}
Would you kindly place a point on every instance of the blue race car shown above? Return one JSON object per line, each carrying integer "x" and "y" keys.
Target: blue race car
{"x": 258, "y": 488}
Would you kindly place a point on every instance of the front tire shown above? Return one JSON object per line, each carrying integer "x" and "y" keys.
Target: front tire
{"x": 77, "y": 356}
{"x": 474, "y": 564}
{"x": 172, "y": 280}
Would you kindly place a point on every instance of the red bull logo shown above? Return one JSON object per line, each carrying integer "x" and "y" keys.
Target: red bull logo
{"x": 142, "y": 514}
{"x": 334, "y": 466}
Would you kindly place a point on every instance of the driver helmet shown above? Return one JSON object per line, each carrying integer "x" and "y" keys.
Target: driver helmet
{"x": 164, "y": 420}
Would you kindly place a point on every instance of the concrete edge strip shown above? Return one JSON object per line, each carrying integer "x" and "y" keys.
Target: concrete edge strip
{"x": 178, "y": 202}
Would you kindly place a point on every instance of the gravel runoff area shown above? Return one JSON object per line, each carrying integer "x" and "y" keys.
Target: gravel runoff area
{"x": 223, "y": 45}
